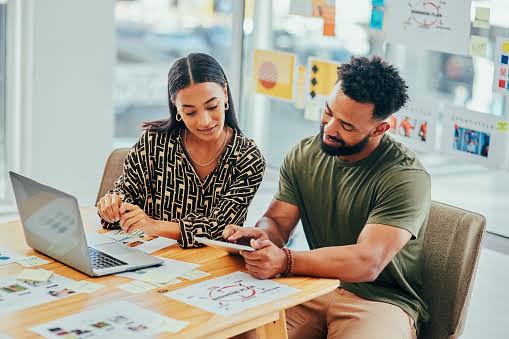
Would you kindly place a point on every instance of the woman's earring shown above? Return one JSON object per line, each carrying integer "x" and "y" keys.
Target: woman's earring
{"x": 226, "y": 106}
{"x": 178, "y": 117}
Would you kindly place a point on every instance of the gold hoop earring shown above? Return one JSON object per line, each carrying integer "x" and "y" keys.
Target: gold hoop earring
{"x": 178, "y": 117}
{"x": 226, "y": 106}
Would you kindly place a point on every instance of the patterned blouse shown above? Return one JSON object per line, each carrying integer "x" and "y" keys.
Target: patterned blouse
{"x": 159, "y": 177}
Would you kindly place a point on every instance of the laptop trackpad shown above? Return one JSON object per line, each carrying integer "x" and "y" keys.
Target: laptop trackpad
{"x": 115, "y": 249}
{"x": 94, "y": 238}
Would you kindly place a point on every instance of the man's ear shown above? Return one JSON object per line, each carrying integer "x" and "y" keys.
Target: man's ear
{"x": 381, "y": 128}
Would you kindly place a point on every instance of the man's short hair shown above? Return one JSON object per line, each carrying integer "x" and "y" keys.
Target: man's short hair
{"x": 373, "y": 80}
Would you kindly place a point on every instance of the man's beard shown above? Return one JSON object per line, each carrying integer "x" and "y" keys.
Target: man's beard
{"x": 343, "y": 149}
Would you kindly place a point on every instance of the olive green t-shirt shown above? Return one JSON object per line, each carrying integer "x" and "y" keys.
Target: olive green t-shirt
{"x": 337, "y": 198}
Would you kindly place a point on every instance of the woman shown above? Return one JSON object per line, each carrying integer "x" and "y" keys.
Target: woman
{"x": 191, "y": 174}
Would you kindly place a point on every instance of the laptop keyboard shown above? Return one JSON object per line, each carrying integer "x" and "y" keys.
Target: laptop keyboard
{"x": 102, "y": 260}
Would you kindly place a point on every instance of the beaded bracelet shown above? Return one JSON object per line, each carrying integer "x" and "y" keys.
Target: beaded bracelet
{"x": 289, "y": 261}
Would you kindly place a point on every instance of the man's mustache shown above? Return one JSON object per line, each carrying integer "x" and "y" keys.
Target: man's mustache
{"x": 336, "y": 139}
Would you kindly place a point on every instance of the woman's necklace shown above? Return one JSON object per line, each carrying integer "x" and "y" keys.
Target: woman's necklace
{"x": 213, "y": 159}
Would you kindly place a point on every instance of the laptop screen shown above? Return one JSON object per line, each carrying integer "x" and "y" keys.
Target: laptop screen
{"x": 51, "y": 221}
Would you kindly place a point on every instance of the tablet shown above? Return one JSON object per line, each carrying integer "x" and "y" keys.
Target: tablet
{"x": 223, "y": 245}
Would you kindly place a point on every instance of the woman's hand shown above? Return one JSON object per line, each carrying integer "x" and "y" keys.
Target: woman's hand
{"x": 134, "y": 218}
{"x": 108, "y": 207}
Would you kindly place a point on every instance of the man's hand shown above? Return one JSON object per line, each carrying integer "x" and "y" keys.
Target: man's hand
{"x": 134, "y": 218}
{"x": 267, "y": 261}
{"x": 234, "y": 233}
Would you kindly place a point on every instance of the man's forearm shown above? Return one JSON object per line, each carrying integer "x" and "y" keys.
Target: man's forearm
{"x": 350, "y": 263}
{"x": 273, "y": 230}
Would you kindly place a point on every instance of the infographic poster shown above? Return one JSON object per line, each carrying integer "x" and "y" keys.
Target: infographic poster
{"x": 439, "y": 25}
{"x": 474, "y": 136}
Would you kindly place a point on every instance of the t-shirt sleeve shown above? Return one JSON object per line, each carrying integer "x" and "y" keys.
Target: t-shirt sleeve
{"x": 403, "y": 200}
{"x": 287, "y": 188}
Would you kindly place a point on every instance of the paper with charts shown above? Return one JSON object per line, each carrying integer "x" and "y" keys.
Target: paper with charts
{"x": 120, "y": 319}
{"x": 16, "y": 294}
{"x": 140, "y": 241}
{"x": 7, "y": 256}
{"x": 231, "y": 293}
{"x": 439, "y": 25}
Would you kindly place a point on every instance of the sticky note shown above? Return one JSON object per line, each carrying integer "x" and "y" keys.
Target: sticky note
{"x": 482, "y": 17}
{"x": 84, "y": 286}
{"x": 196, "y": 274}
{"x": 169, "y": 325}
{"x": 137, "y": 286}
{"x": 158, "y": 278}
{"x": 377, "y": 3}
{"x": 39, "y": 275}
{"x": 478, "y": 45}
{"x": 31, "y": 261}
{"x": 503, "y": 71}
{"x": 505, "y": 46}
{"x": 504, "y": 59}
{"x": 502, "y": 126}
{"x": 501, "y": 83}
{"x": 312, "y": 111}
{"x": 377, "y": 19}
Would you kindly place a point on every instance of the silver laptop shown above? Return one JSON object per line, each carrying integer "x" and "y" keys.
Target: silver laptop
{"x": 52, "y": 225}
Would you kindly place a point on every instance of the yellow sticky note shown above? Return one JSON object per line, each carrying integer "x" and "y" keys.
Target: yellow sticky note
{"x": 39, "y": 275}
{"x": 323, "y": 75}
{"x": 505, "y": 46}
{"x": 274, "y": 73}
{"x": 503, "y": 126}
{"x": 478, "y": 45}
{"x": 482, "y": 17}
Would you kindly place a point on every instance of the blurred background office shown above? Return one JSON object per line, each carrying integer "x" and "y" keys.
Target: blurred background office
{"x": 77, "y": 79}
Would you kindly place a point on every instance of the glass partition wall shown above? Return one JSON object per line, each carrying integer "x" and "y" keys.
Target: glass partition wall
{"x": 437, "y": 78}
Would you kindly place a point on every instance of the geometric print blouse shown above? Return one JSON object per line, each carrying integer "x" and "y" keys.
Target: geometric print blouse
{"x": 159, "y": 177}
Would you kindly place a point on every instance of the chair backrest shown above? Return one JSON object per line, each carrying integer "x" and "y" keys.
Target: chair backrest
{"x": 452, "y": 245}
{"x": 112, "y": 170}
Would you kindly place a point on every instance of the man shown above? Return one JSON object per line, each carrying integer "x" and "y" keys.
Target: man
{"x": 363, "y": 200}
